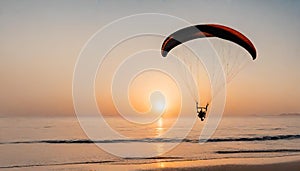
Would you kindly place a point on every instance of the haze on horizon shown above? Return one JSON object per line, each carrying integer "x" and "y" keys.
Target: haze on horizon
{"x": 40, "y": 42}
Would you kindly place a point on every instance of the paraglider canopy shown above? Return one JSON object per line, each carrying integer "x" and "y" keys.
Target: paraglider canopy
{"x": 207, "y": 30}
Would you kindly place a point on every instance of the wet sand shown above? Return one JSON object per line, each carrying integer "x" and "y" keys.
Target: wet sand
{"x": 288, "y": 163}
{"x": 228, "y": 165}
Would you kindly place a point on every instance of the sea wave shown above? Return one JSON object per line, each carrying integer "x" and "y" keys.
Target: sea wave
{"x": 158, "y": 140}
{"x": 258, "y": 151}
{"x": 54, "y": 164}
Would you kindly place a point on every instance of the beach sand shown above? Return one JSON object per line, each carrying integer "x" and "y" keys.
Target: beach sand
{"x": 246, "y": 164}
{"x": 287, "y": 163}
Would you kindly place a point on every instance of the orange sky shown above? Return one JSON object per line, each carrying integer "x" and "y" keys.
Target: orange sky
{"x": 40, "y": 42}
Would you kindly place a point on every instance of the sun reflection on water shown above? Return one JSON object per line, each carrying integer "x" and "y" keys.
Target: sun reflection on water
{"x": 159, "y": 127}
{"x": 161, "y": 165}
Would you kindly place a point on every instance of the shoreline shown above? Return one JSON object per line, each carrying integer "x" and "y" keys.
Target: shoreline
{"x": 290, "y": 163}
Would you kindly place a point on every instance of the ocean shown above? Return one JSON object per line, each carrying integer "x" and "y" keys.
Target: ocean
{"x": 27, "y": 142}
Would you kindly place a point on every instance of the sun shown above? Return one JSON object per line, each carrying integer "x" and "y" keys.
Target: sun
{"x": 156, "y": 93}
{"x": 158, "y": 101}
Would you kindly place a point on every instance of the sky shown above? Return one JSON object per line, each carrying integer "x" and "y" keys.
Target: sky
{"x": 41, "y": 40}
